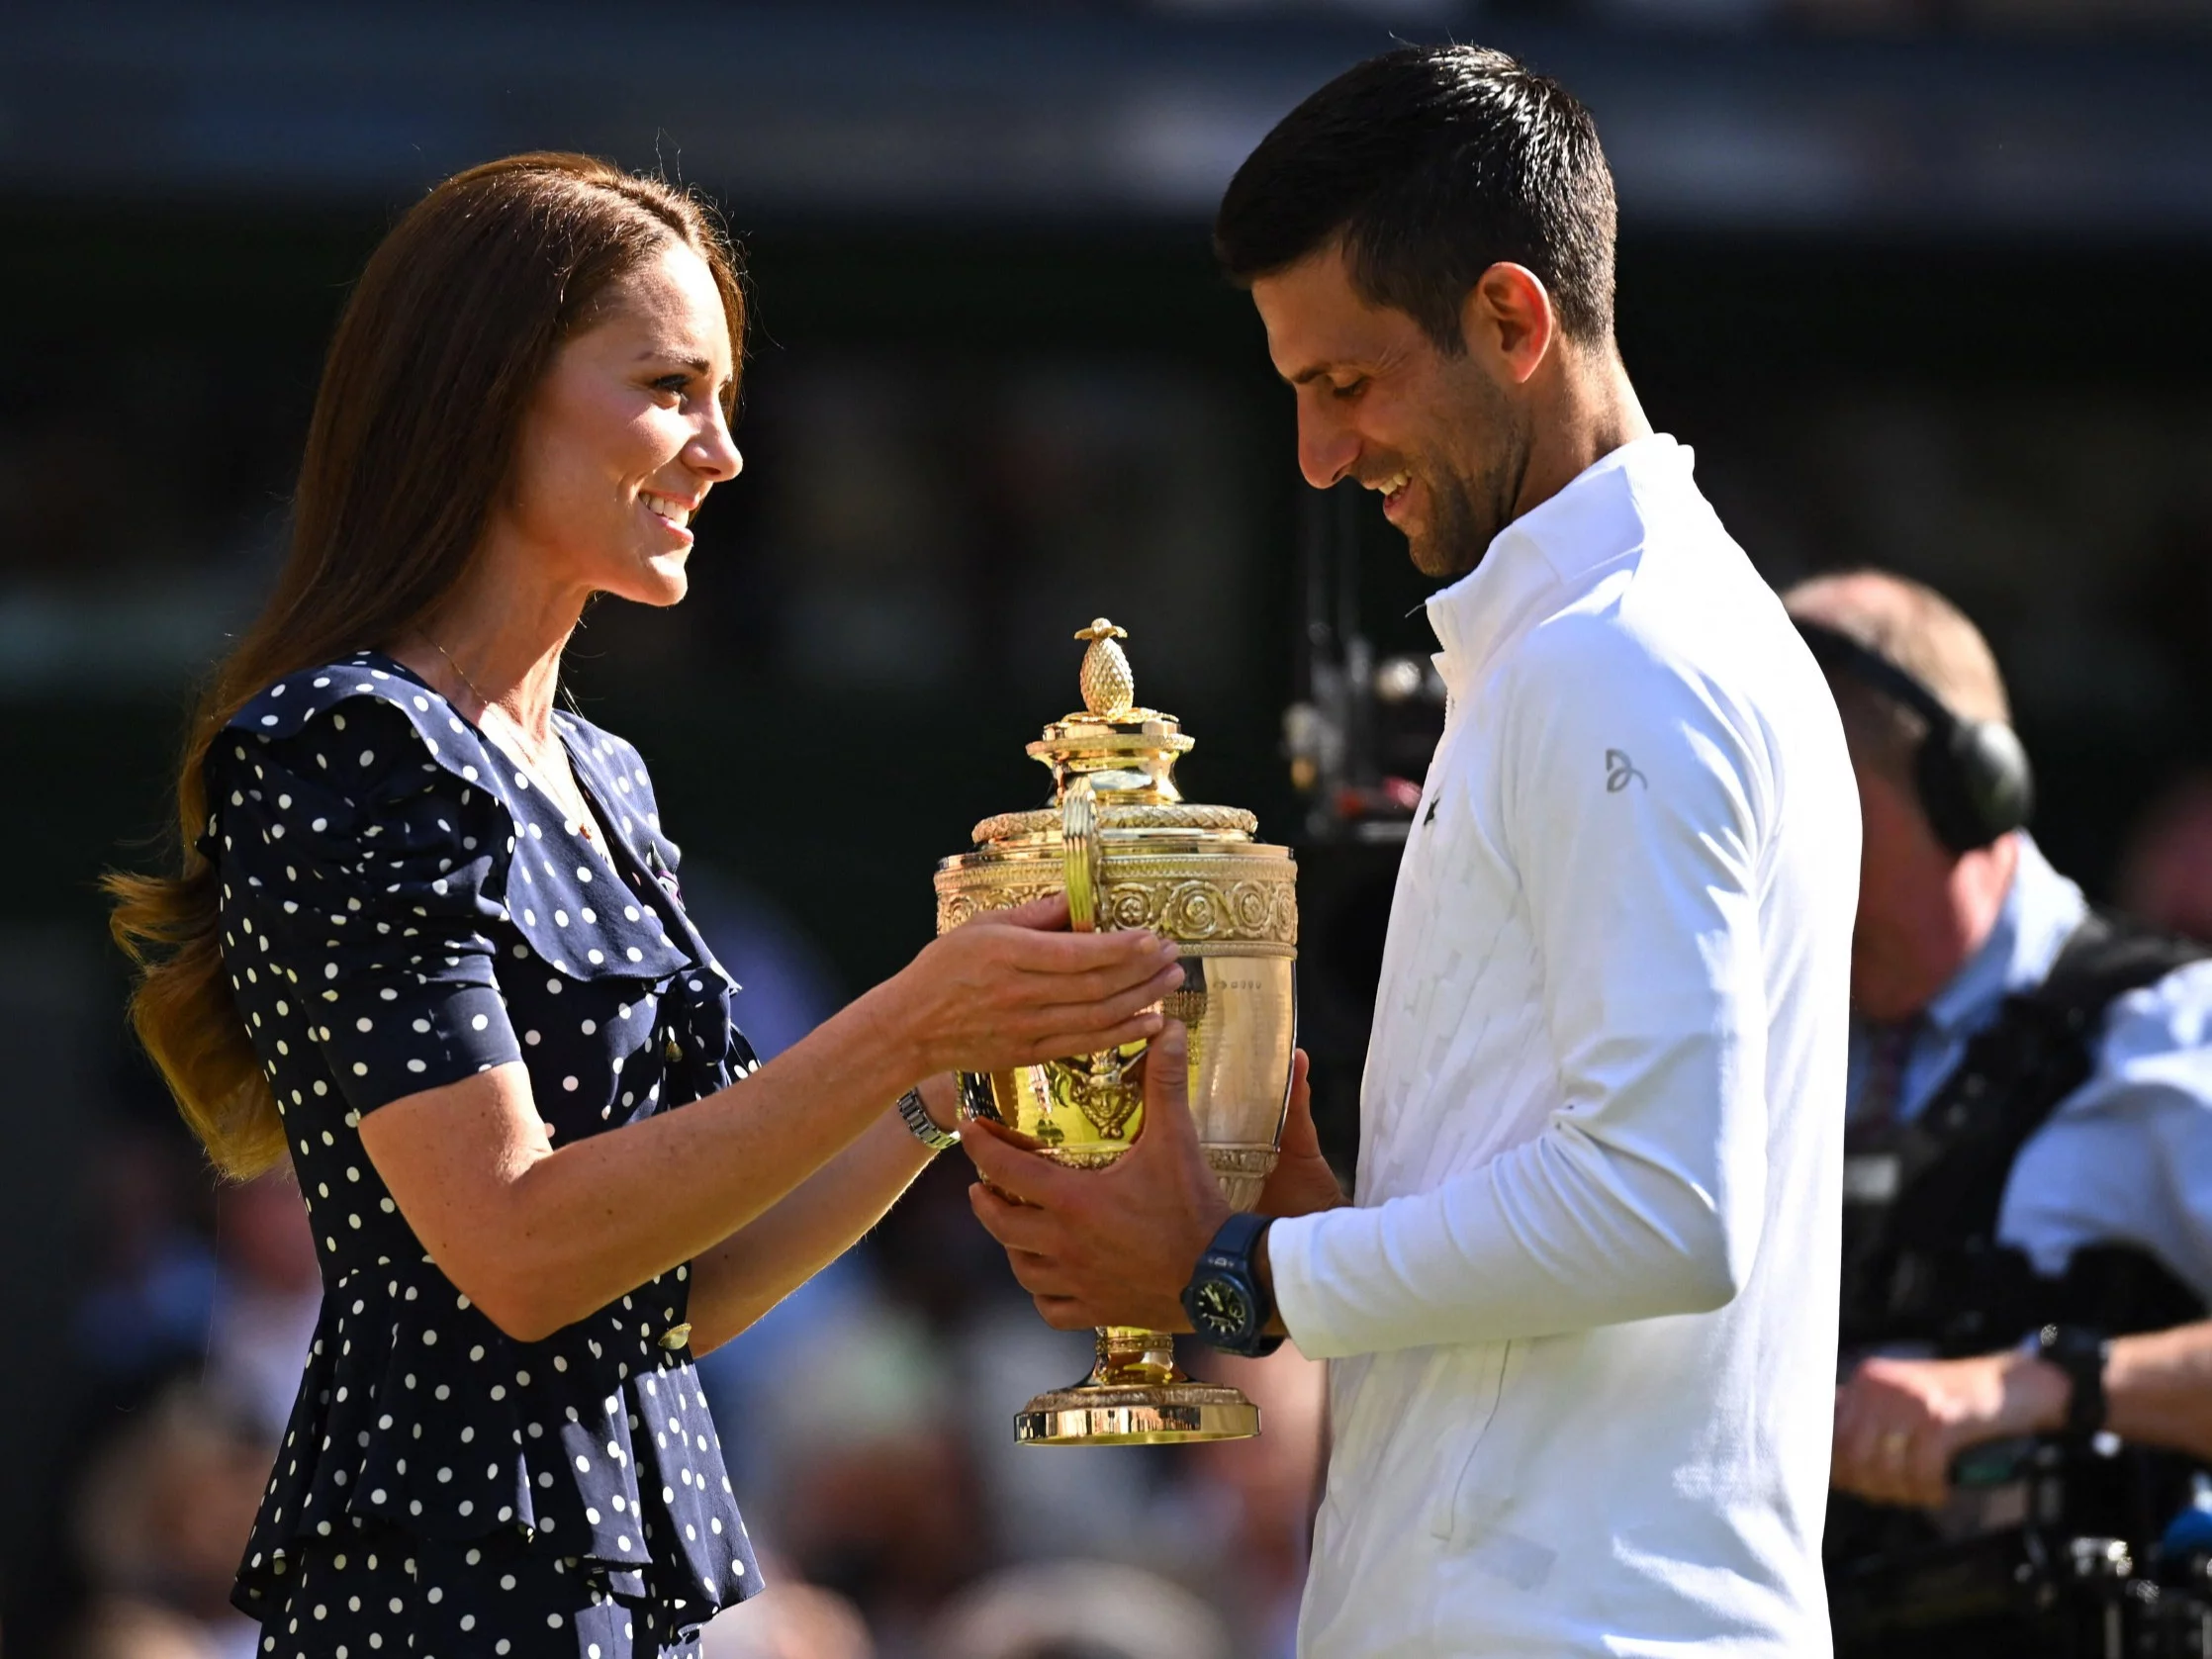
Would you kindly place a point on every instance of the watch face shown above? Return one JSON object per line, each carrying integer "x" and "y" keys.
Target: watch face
{"x": 1222, "y": 1307}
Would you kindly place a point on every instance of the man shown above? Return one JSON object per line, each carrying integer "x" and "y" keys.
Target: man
{"x": 2015, "y": 1241}
{"x": 1581, "y": 1310}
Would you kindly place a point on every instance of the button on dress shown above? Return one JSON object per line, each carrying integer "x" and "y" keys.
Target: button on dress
{"x": 403, "y": 909}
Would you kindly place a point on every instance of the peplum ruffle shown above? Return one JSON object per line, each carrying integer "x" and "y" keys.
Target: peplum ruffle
{"x": 418, "y": 1411}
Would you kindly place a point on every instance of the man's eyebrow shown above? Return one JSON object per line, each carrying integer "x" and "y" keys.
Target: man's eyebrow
{"x": 1310, "y": 374}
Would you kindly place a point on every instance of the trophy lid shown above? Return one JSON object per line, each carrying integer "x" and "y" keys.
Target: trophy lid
{"x": 1126, "y": 752}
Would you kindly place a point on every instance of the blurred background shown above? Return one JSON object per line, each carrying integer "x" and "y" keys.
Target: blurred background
{"x": 1924, "y": 283}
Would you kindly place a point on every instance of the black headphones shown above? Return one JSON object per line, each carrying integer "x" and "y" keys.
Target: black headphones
{"x": 1972, "y": 776}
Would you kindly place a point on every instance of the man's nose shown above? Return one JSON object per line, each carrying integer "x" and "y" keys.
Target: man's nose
{"x": 1327, "y": 448}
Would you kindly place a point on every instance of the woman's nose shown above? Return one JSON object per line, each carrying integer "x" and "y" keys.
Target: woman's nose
{"x": 714, "y": 452}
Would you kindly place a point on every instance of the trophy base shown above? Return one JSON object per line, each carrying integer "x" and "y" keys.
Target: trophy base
{"x": 1136, "y": 1396}
{"x": 1170, "y": 1415}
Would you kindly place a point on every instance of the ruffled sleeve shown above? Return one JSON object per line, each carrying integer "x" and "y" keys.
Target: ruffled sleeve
{"x": 377, "y": 872}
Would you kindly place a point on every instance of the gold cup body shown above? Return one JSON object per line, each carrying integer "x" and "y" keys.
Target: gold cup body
{"x": 1130, "y": 853}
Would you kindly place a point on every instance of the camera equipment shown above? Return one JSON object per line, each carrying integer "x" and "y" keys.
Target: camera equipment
{"x": 1972, "y": 776}
{"x": 1358, "y": 740}
{"x": 2039, "y": 1589}
{"x": 2056, "y": 1546}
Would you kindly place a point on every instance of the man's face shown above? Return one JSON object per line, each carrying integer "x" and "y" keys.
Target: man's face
{"x": 1445, "y": 438}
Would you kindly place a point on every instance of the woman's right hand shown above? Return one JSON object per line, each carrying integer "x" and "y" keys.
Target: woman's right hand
{"x": 1013, "y": 987}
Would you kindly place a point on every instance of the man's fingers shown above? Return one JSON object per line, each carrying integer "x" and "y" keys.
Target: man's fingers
{"x": 1298, "y": 1134}
{"x": 1020, "y": 1228}
{"x": 1856, "y": 1432}
{"x": 1168, "y": 1086}
{"x": 1012, "y": 1170}
{"x": 1928, "y": 1471}
{"x": 1041, "y": 1278}
{"x": 1002, "y": 1155}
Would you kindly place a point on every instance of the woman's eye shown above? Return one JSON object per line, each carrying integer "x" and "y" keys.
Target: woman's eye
{"x": 673, "y": 384}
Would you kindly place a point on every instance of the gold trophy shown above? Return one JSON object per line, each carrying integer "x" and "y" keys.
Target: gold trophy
{"x": 1130, "y": 853}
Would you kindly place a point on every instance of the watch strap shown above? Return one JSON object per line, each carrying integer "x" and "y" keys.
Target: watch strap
{"x": 1237, "y": 1237}
{"x": 1231, "y": 1255}
{"x": 2080, "y": 1354}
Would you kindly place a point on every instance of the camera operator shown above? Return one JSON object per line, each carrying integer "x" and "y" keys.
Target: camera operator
{"x": 2028, "y": 1187}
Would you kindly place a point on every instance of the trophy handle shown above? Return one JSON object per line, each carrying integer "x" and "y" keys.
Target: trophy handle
{"x": 1082, "y": 856}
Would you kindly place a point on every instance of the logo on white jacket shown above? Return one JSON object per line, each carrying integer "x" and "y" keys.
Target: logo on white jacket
{"x": 1620, "y": 772}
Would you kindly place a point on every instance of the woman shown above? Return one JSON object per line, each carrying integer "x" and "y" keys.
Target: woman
{"x": 429, "y": 939}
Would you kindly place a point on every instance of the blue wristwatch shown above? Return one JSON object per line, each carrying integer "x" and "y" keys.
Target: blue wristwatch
{"x": 1226, "y": 1302}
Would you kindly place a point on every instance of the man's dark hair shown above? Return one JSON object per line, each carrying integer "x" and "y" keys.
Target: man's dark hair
{"x": 1431, "y": 164}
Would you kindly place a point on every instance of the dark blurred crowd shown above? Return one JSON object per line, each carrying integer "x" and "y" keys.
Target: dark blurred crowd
{"x": 868, "y": 1422}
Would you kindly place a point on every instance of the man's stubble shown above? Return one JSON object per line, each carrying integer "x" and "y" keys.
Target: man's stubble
{"x": 1472, "y": 499}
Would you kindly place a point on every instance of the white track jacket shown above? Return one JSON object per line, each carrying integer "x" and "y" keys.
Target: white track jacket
{"x": 1582, "y": 1314}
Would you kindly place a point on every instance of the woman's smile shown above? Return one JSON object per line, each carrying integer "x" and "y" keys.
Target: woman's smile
{"x": 673, "y": 516}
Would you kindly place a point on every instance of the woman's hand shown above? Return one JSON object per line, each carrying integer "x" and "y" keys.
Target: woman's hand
{"x": 1301, "y": 1181}
{"x": 1013, "y": 987}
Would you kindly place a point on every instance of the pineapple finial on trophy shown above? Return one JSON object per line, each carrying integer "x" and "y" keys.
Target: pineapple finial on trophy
{"x": 1109, "y": 687}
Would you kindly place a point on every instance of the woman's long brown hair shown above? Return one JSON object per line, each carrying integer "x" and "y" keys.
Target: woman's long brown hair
{"x": 441, "y": 347}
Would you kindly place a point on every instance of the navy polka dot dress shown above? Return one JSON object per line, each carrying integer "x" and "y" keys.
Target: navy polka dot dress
{"x": 403, "y": 909}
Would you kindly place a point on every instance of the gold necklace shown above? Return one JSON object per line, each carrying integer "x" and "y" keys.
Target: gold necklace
{"x": 581, "y": 808}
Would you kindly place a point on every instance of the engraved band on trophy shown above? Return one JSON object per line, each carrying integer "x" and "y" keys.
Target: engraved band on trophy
{"x": 1129, "y": 852}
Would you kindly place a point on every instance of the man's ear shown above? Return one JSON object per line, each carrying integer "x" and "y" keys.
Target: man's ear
{"x": 1507, "y": 318}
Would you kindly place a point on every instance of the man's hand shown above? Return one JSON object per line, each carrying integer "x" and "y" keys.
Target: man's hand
{"x": 1302, "y": 1182}
{"x": 1113, "y": 1245}
{"x": 1900, "y": 1421}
